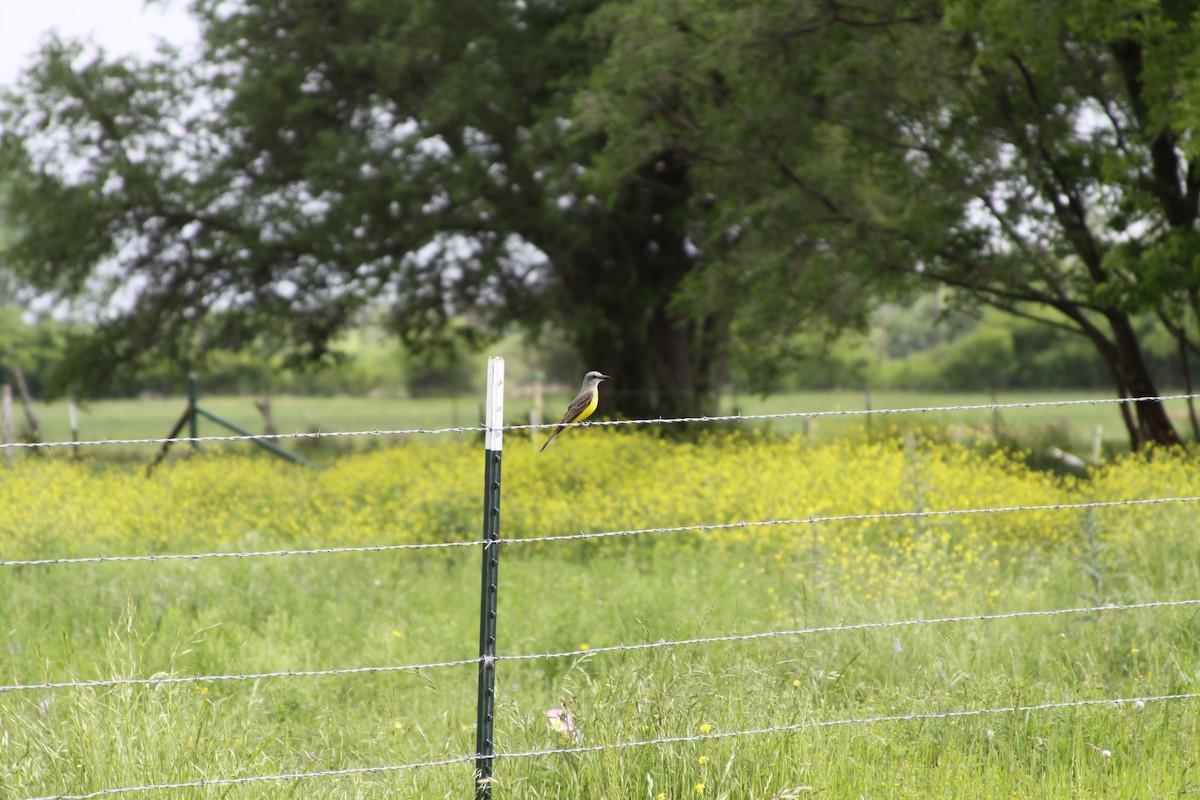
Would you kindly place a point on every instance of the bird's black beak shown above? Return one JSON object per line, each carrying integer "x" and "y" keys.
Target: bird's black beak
{"x": 605, "y": 378}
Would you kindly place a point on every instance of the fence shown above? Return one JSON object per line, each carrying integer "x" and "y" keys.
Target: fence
{"x": 485, "y": 757}
{"x": 191, "y": 418}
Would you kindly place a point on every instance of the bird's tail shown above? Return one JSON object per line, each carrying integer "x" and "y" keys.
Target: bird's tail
{"x": 551, "y": 439}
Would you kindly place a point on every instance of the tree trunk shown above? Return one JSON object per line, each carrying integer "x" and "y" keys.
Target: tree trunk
{"x": 6, "y": 425}
{"x": 264, "y": 408}
{"x": 663, "y": 366}
{"x": 1154, "y": 426}
{"x": 663, "y": 363}
{"x": 1186, "y": 370}
{"x": 34, "y": 432}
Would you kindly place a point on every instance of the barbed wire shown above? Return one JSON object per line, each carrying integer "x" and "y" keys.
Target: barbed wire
{"x": 105, "y": 683}
{"x": 609, "y": 422}
{"x": 797, "y": 726}
{"x": 881, "y": 515}
{"x": 248, "y": 437}
{"x": 1116, "y": 702}
{"x": 860, "y": 412}
{"x": 290, "y": 776}
{"x": 858, "y": 626}
{"x": 378, "y": 548}
{"x": 741, "y": 637}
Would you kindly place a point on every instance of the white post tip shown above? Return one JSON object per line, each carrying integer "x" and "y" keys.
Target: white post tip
{"x": 494, "y": 437}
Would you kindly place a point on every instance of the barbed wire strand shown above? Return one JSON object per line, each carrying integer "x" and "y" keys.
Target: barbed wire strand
{"x": 104, "y": 683}
{"x": 290, "y": 776}
{"x": 651, "y": 421}
{"x": 881, "y": 515}
{"x": 797, "y": 726}
{"x": 742, "y": 637}
{"x": 859, "y": 626}
{"x": 249, "y": 437}
{"x": 665, "y": 740}
{"x": 380, "y": 548}
{"x": 862, "y": 412}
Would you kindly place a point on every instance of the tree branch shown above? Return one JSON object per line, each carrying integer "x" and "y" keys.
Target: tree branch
{"x": 809, "y": 189}
{"x": 1176, "y": 202}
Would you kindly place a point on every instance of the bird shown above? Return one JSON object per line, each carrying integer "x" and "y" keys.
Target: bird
{"x": 582, "y": 406}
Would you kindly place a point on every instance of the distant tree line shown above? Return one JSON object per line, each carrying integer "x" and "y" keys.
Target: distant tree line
{"x": 998, "y": 352}
{"x": 669, "y": 189}
{"x": 40, "y": 350}
{"x": 903, "y": 349}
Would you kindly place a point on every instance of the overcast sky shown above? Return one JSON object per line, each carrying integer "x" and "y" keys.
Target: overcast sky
{"x": 120, "y": 26}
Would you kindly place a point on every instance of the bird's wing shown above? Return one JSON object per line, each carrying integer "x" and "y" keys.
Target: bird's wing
{"x": 577, "y": 407}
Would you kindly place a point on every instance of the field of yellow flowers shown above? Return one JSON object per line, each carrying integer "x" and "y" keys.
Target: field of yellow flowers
{"x": 845, "y": 546}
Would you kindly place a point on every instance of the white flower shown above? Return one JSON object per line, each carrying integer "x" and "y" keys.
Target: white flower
{"x": 561, "y": 721}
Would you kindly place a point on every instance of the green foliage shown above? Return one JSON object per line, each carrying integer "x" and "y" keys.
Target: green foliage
{"x": 35, "y": 348}
{"x": 364, "y": 361}
{"x": 440, "y": 371}
{"x": 981, "y": 358}
{"x": 911, "y": 347}
{"x": 659, "y": 187}
{"x": 323, "y": 155}
{"x": 1031, "y": 157}
{"x": 1000, "y": 352}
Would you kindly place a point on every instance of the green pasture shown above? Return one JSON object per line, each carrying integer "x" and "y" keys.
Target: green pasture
{"x": 839, "y": 692}
{"x": 354, "y": 611}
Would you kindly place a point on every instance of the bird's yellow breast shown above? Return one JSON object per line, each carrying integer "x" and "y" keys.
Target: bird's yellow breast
{"x": 589, "y": 408}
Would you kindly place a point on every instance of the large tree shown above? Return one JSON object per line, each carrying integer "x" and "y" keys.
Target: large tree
{"x": 322, "y": 155}
{"x": 1037, "y": 157}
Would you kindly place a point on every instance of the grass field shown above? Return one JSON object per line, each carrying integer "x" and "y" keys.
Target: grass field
{"x": 238, "y": 616}
{"x": 1071, "y": 427}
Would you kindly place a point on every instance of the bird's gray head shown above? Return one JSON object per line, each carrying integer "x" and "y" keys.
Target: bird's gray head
{"x": 593, "y": 379}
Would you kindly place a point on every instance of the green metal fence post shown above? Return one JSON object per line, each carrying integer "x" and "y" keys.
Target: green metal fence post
{"x": 193, "y": 427}
{"x": 486, "y": 701}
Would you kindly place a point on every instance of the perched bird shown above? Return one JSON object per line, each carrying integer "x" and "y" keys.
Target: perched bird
{"x": 582, "y": 406}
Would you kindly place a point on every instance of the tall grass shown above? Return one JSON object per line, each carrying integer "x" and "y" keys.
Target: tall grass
{"x": 295, "y": 613}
